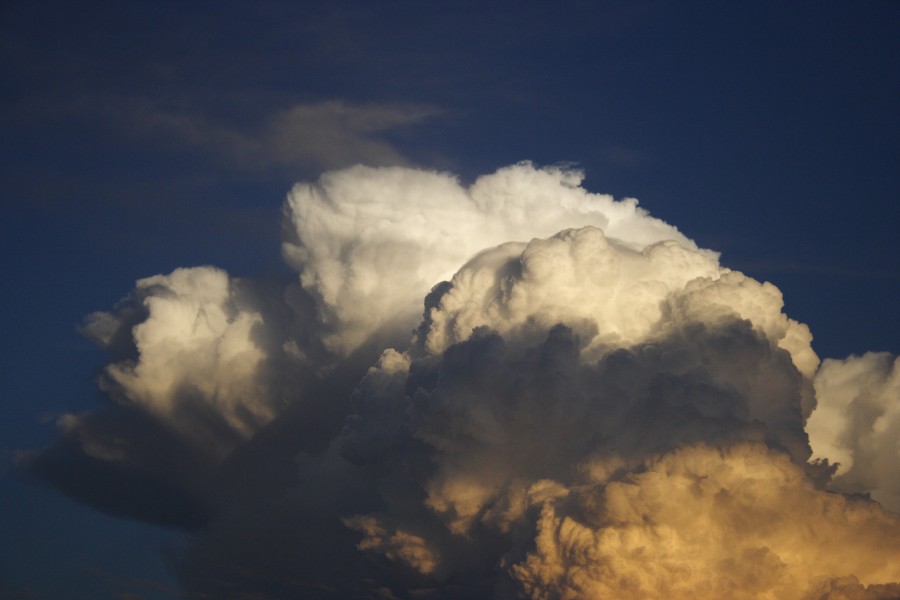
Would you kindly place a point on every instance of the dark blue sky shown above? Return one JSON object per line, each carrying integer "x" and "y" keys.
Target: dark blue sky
{"x": 139, "y": 137}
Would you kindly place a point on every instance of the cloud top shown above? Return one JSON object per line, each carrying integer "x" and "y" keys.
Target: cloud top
{"x": 369, "y": 243}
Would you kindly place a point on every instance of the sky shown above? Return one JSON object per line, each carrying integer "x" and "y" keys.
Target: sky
{"x": 139, "y": 138}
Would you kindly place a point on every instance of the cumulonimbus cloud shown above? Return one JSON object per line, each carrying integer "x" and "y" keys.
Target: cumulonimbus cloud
{"x": 515, "y": 388}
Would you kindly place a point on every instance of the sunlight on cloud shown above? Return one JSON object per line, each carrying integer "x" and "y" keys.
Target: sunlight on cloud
{"x": 370, "y": 243}
{"x": 196, "y": 357}
{"x": 742, "y": 522}
{"x": 589, "y": 406}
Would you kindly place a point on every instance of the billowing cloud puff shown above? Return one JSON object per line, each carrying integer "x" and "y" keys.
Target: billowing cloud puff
{"x": 541, "y": 366}
{"x": 857, "y": 424}
{"x": 613, "y": 295}
{"x": 196, "y": 357}
{"x": 200, "y": 363}
{"x": 699, "y": 522}
{"x": 369, "y": 243}
{"x": 589, "y": 405}
{"x": 321, "y": 135}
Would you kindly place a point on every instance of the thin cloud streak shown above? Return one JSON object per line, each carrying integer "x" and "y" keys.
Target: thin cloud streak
{"x": 312, "y": 136}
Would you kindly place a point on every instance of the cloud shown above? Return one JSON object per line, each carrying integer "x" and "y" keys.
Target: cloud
{"x": 197, "y": 357}
{"x": 743, "y": 522}
{"x": 200, "y": 364}
{"x": 332, "y": 134}
{"x": 312, "y": 136}
{"x": 514, "y": 388}
{"x": 616, "y": 295}
{"x": 565, "y": 362}
{"x": 370, "y": 243}
{"x": 293, "y": 138}
{"x": 857, "y": 424}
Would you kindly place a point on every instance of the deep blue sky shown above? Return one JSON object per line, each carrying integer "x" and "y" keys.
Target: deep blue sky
{"x": 764, "y": 130}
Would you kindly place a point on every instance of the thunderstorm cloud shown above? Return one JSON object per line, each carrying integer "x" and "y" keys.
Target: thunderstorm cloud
{"x": 511, "y": 389}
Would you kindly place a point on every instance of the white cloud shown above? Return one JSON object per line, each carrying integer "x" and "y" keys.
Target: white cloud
{"x": 857, "y": 424}
{"x": 370, "y": 243}
{"x": 611, "y": 294}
